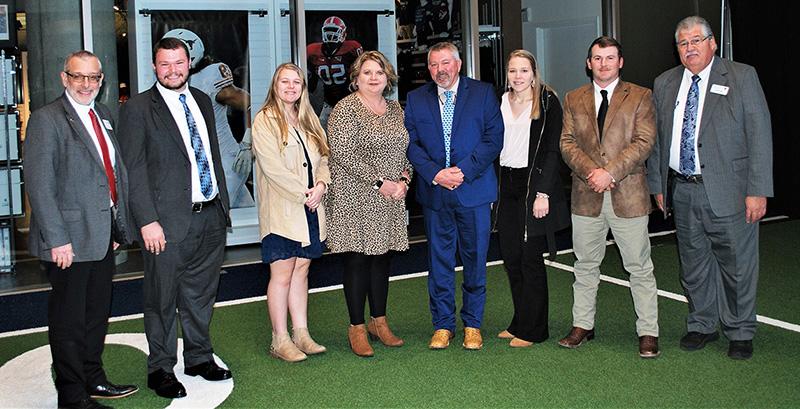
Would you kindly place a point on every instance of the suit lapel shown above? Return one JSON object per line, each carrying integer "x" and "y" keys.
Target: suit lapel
{"x": 587, "y": 102}
{"x": 162, "y": 113}
{"x": 461, "y": 95}
{"x": 717, "y": 76}
{"x": 80, "y": 130}
{"x": 621, "y": 93}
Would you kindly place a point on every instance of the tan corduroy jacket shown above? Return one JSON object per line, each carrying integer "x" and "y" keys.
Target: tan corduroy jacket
{"x": 281, "y": 176}
{"x": 629, "y": 132}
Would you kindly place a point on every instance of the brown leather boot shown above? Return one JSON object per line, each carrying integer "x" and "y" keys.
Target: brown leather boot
{"x": 379, "y": 329}
{"x": 357, "y": 334}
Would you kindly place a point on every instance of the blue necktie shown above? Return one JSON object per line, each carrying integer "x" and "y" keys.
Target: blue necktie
{"x": 447, "y": 123}
{"x": 689, "y": 124}
{"x": 199, "y": 153}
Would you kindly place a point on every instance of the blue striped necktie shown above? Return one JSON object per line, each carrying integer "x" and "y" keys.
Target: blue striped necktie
{"x": 199, "y": 152}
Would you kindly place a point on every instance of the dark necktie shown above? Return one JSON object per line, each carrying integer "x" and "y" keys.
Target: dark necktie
{"x": 101, "y": 139}
{"x": 689, "y": 124}
{"x": 199, "y": 153}
{"x": 601, "y": 114}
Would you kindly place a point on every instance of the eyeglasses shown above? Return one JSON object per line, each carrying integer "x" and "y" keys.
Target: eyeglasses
{"x": 694, "y": 42}
{"x": 80, "y": 78}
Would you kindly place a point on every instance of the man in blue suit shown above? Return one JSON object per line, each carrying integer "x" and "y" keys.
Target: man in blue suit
{"x": 456, "y": 133}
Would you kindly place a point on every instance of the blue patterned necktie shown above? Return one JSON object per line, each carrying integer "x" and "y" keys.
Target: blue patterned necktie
{"x": 447, "y": 123}
{"x": 199, "y": 153}
{"x": 689, "y": 124}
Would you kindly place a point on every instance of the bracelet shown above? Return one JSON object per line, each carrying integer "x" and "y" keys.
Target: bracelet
{"x": 405, "y": 180}
{"x": 542, "y": 195}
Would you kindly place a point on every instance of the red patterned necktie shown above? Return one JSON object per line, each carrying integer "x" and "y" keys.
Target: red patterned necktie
{"x": 98, "y": 131}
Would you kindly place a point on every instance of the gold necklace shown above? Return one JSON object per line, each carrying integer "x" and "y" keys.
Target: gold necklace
{"x": 382, "y": 106}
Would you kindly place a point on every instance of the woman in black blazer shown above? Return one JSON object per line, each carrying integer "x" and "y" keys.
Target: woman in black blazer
{"x": 532, "y": 204}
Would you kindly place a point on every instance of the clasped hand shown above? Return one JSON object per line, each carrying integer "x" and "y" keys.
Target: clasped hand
{"x": 449, "y": 178}
{"x": 393, "y": 190}
{"x": 314, "y": 196}
{"x": 600, "y": 180}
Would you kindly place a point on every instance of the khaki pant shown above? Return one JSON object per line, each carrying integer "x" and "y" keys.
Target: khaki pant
{"x": 589, "y": 241}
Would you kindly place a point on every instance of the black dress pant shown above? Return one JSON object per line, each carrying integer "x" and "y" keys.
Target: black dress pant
{"x": 366, "y": 276}
{"x": 522, "y": 258}
{"x": 185, "y": 276}
{"x": 78, "y": 310}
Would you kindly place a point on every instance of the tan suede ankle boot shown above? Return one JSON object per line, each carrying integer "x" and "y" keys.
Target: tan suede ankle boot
{"x": 283, "y": 348}
{"x": 302, "y": 339}
{"x": 357, "y": 334}
{"x": 379, "y": 329}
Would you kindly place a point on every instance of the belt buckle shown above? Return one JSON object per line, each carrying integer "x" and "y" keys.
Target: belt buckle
{"x": 197, "y": 207}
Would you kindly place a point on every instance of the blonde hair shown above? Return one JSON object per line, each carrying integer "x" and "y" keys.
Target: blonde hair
{"x": 380, "y": 59}
{"x": 307, "y": 119}
{"x": 537, "y": 86}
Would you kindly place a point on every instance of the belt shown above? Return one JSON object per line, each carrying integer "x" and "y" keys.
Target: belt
{"x": 684, "y": 178}
{"x": 198, "y": 207}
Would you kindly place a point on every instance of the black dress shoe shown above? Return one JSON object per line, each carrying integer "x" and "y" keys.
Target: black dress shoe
{"x": 87, "y": 403}
{"x": 693, "y": 341}
{"x": 165, "y": 384}
{"x": 740, "y": 349}
{"x": 209, "y": 370}
{"x": 110, "y": 391}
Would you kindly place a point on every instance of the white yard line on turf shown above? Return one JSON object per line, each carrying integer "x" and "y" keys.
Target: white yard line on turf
{"x": 666, "y": 294}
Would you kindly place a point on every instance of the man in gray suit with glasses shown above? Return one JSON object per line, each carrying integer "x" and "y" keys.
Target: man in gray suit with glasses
{"x": 78, "y": 190}
{"x": 712, "y": 165}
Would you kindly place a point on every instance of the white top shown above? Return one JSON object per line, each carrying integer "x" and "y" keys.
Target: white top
{"x": 598, "y": 98}
{"x": 517, "y": 135}
{"x": 677, "y": 117}
{"x": 176, "y": 109}
{"x": 105, "y": 125}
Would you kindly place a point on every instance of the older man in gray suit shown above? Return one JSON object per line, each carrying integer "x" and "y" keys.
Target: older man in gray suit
{"x": 77, "y": 187}
{"x": 712, "y": 164}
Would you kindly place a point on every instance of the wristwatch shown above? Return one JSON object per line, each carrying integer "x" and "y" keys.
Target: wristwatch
{"x": 377, "y": 184}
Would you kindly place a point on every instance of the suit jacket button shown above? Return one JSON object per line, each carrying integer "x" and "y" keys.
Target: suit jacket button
{"x": 699, "y": 145}
{"x": 702, "y": 166}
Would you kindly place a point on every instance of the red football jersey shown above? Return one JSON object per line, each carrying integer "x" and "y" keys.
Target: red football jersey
{"x": 333, "y": 70}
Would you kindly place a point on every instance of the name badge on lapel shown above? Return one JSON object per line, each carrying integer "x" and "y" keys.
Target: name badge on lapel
{"x": 719, "y": 89}
{"x": 107, "y": 124}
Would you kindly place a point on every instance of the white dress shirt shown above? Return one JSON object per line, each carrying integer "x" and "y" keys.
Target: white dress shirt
{"x": 677, "y": 117}
{"x": 598, "y": 98}
{"x": 86, "y": 120}
{"x": 176, "y": 109}
{"x": 517, "y": 135}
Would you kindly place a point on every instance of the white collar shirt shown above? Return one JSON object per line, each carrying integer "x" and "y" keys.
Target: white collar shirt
{"x": 677, "y": 117}
{"x": 105, "y": 125}
{"x": 176, "y": 109}
{"x": 598, "y": 98}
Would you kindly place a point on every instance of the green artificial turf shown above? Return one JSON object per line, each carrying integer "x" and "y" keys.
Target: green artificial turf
{"x": 604, "y": 373}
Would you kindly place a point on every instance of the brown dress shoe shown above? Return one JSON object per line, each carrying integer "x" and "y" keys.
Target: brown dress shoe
{"x": 440, "y": 339}
{"x": 472, "y": 338}
{"x": 577, "y": 336}
{"x": 357, "y": 334}
{"x": 283, "y": 348}
{"x": 378, "y": 328}
{"x": 648, "y": 346}
{"x": 302, "y": 339}
{"x": 504, "y": 334}
{"x": 519, "y": 343}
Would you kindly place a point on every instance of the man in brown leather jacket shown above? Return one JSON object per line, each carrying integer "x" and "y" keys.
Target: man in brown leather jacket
{"x": 608, "y": 132}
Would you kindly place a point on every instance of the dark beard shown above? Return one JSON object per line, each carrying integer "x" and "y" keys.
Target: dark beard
{"x": 169, "y": 87}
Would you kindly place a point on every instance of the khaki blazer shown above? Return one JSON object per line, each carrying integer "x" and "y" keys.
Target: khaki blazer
{"x": 281, "y": 180}
{"x": 628, "y": 136}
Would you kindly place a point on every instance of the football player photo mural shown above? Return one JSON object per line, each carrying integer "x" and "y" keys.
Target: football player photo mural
{"x": 210, "y": 71}
{"x": 330, "y": 58}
